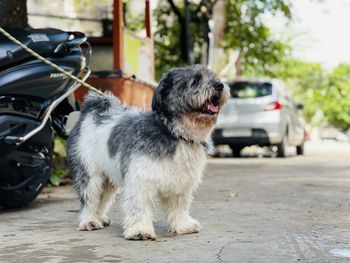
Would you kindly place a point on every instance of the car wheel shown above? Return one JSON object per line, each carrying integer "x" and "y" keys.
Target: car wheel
{"x": 300, "y": 149}
{"x": 282, "y": 147}
{"x": 236, "y": 151}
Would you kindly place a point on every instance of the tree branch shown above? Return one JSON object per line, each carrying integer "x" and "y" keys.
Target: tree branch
{"x": 199, "y": 6}
{"x": 208, "y": 4}
{"x": 210, "y": 8}
{"x": 175, "y": 9}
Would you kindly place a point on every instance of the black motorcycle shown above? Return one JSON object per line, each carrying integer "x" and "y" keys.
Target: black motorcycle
{"x": 34, "y": 100}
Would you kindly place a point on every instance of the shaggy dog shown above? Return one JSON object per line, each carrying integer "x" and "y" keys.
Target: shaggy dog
{"x": 151, "y": 156}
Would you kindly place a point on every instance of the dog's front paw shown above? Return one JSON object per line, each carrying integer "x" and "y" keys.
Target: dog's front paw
{"x": 134, "y": 234}
{"x": 106, "y": 221}
{"x": 188, "y": 226}
{"x": 141, "y": 236}
{"x": 90, "y": 225}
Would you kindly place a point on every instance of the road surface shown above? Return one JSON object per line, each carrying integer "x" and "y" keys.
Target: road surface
{"x": 251, "y": 209}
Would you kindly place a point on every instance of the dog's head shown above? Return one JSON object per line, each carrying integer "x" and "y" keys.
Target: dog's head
{"x": 191, "y": 98}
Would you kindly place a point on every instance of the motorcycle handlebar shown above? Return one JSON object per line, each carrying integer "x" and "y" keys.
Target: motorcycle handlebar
{"x": 78, "y": 39}
{"x": 75, "y": 40}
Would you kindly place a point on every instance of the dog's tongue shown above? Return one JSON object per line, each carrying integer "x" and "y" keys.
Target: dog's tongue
{"x": 213, "y": 108}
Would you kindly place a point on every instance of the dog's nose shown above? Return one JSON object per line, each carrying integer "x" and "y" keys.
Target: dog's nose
{"x": 219, "y": 86}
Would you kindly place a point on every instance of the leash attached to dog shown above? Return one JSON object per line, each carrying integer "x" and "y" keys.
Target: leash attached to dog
{"x": 48, "y": 62}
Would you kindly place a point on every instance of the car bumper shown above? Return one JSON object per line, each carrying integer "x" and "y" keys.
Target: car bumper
{"x": 258, "y": 137}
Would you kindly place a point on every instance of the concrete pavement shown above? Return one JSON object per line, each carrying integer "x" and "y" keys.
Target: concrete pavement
{"x": 251, "y": 209}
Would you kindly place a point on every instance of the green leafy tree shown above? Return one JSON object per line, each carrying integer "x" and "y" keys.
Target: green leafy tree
{"x": 336, "y": 97}
{"x": 170, "y": 39}
{"x": 318, "y": 90}
{"x": 245, "y": 31}
{"x": 306, "y": 81}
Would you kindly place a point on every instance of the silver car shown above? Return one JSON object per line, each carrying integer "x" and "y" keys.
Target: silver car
{"x": 260, "y": 113}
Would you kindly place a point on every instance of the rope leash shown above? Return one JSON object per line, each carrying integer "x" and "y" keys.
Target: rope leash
{"x": 48, "y": 62}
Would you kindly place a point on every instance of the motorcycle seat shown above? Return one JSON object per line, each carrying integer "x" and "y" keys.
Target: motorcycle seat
{"x": 42, "y": 41}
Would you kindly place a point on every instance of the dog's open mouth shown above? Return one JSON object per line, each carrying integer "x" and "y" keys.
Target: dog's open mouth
{"x": 211, "y": 106}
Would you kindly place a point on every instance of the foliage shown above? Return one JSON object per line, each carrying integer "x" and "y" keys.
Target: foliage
{"x": 318, "y": 90}
{"x": 166, "y": 39}
{"x": 245, "y": 31}
{"x": 336, "y": 97}
{"x": 305, "y": 80}
{"x": 59, "y": 163}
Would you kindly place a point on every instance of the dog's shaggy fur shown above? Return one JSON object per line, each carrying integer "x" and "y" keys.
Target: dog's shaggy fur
{"x": 151, "y": 156}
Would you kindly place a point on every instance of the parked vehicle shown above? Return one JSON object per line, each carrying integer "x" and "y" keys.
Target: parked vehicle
{"x": 347, "y": 132}
{"x": 329, "y": 132}
{"x": 33, "y": 101}
{"x": 260, "y": 113}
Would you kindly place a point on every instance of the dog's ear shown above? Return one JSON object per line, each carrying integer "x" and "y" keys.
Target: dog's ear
{"x": 161, "y": 92}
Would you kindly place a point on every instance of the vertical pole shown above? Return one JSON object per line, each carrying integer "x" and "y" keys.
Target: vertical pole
{"x": 118, "y": 35}
{"x": 148, "y": 19}
{"x": 148, "y": 25}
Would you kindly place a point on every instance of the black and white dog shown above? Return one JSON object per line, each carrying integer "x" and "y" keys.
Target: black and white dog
{"x": 150, "y": 156}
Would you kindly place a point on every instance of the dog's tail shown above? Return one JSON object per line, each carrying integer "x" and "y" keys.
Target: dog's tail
{"x": 98, "y": 103}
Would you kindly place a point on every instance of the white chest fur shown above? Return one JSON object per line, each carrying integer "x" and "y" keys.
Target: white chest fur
{"x": 170, "y": 175}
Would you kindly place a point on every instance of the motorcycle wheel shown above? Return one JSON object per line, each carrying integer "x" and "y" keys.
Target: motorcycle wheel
{"x": 26, "y": 170}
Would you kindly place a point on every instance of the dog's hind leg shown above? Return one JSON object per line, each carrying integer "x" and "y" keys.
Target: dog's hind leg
{"x": 109, "y": 192}
{"x": 177, "y": 213}
{"x": 90, "y": 193}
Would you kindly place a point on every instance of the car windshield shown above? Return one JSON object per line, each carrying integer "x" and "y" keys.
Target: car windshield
{"x": 246, "y": 90}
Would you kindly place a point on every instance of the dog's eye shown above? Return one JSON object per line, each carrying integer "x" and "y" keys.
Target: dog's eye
{"x": 197, "y": 79}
